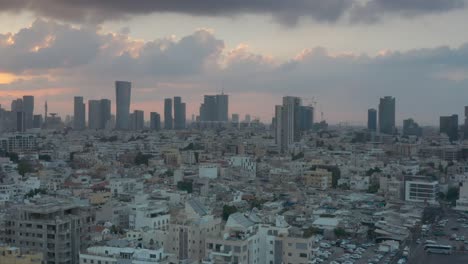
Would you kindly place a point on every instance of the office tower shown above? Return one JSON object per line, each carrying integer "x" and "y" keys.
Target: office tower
{"x": 411, "y": 128}
{"x": 222, "y": 105}
{"x": 168, "y": 124}
{"x": 139, "y": 120}
{"x": 466, "y": 123}
{"x": 287, "y": 119}
{"x": 235, "y": 118}
{"x": 28, "y": 108}
{"x": 79, "y": 113}
{"x": 208, "y": 108}
{"x": 449, "y": 126}
{"x": 155, "y": 121}
{"x": 46, "y": 109}
{"x": 123, "y": 93}
{"x": 55, "y": 226}
{"x": 179, "y": 113}
{"x": 20, "y": 121}
{"x": 247, "y": 118}
{"x": 387, "y": 115}
{"x": 372, "y": 120}
{"x": 215, "y": 108}
{"x": 94, "y": 114}
{"x": 16, "y": 106}
{"x": 306, "y": 117}
{"x": 37, "y": 121}
{"x": 105, "y": 111}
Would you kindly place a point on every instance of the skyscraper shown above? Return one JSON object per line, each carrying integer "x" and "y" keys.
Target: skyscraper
{"x": 465, "y": 131}
{"x": 287, "y": 119}
{"x": 235, "y": 118}
{"x": 449, "y": 126}
{"x": 105, "y": 112}
{"x": 28, "y": 108}
{"x": 306, "y": 117}
{"x": 168, "y": 121}
{"x": 411, "y": 128}
{"x": 37, "y": 121}
{"x": 179, "y": 113}
{"x": 215, "y": 108}
{"x": 20, "y": 121}
{"x": 387, "y": 115}
{"x": 155, "y": 121}
{"x": 222, "y": 105}
{"x": 123, "y": 94}
{"x": 139, "y": 120}
{"x": 79, "y": 113}
{"x": 94, "y": 114}
{"x": 372, "y": 120}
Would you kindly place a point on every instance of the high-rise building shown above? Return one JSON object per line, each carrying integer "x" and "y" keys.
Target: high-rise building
{"x": 222, "y": 105}
{"x": 306, "y": 118}
{"x": 179, "y": 113}
{"x": 51, "y": 225}
{"x": 465, "y": 131}
{"x": 20, "y": 121}
{"x": 37, "y": 121}
{"x": 235, "y": 118}
{"x": 16, "y": 106}
{"x": 94, "y": 114}
{"x": 139, "y": 120}
{"x": 287, "y": 119}
{"x": 372, "y": 120}
{"x": 79, "y": 113}
{"x": 215, "y": 108}
{"x": 247, "y": 118}
{"x": 411, "y": 128}
{"x": 123, "y": 94}
{"x": 155, "y": 121}
{"x": 387, "y": 115}
{"x": 168, "y": 121}
{"x": 208, "y": 108}
{"x": 28, "y": 108}
{"x": 105, "y": 111}
{"x": 449, "y": 126}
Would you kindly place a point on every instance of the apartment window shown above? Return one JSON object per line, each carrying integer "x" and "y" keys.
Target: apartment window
{"x": 290, "y": 254}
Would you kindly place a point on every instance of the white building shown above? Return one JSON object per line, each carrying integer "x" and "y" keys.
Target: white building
{"x": 114, "y": 255}
{"x": 462, "y": 202}
{"x": 210, "y": 171}
{"x": 421, "y": 191}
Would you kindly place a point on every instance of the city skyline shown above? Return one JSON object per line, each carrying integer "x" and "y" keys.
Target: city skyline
{"x": 314, "y": 49}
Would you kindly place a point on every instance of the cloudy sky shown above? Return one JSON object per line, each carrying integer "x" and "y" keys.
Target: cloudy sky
{"x": 344, "y": 53}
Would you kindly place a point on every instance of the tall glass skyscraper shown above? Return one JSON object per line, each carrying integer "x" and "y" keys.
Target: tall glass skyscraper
{"x": 123, "y": 92}
{"x": 372, "y": 120}
{"x": 28, "y": 108}
{"x": 387, "y": 115}
{"x": 179, "y": 113}
{"x": 79, "y": 113}
{"x": 168, "y": 121}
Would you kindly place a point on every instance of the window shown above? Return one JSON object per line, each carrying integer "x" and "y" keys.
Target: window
{"x": 303, "y": 255}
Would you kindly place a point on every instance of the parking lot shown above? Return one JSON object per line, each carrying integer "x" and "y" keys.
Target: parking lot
{"x": 453, "y": 233}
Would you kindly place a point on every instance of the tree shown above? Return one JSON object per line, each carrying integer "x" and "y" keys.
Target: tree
{"x": 373, "y": 188}
{"x": 24, "y": 167}
{"x": 453, "y": 194}
{"x": 311, "y": 231}
{"x": 34, "y": 192}
{"x": 228, "y": 210}
{"x": 13, "y": 156}
{"x": 340, "y": 232}
{"x": 141, "y": 158}
{"x": 45, "y": 157}
{"x": 185, "y": 186}
{"x": 299, "y": 155}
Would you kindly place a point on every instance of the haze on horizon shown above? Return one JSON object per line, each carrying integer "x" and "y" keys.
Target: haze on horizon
{"x": 344, "y": 53}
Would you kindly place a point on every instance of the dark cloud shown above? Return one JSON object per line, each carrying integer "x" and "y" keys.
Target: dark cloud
{"x": 373, "y": 10}
{"x": 286, "y": 12}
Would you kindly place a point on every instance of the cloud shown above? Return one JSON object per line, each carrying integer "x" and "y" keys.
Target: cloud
{"x": 285, "y": 12}
{"x": 85, "y": 61}
{"x": 374, "y": 10}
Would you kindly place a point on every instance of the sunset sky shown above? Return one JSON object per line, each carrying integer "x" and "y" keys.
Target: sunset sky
{"x": 344, "y": 53}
